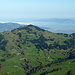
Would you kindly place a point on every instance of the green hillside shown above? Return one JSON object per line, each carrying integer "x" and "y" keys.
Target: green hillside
{"x": 9, "y": 26}
{"x": 30, "y": 50}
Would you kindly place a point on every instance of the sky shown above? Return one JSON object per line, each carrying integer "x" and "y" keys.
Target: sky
{"x": 37, "y": 9}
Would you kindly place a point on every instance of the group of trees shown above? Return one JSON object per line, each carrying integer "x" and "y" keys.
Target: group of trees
{"x": 3, "y": 42}
{"x": 57, "y": 69}
{"x": 57, "y": 46}
{"x": 42, "y": 45}
{"x": 41, "y": 42}
{"x": 2, "y": 60}
{"x": 70, "y": 43}
{"x": 26, "y": 65}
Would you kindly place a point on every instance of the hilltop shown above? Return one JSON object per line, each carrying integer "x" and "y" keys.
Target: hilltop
{"x": 29, "y": 50}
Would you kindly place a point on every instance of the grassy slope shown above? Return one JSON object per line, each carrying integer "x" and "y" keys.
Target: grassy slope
{"x": 12, "y": 66}
{"x": 65, "y": 66}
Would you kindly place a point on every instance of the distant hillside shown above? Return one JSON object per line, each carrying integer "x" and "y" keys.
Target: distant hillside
{"x": 30, "y": 50}
{"x": 8, "y": 26}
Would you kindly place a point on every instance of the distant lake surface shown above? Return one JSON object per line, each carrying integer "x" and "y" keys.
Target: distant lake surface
{"x": 53, "y": 25}
{"x": 56, "y": 27}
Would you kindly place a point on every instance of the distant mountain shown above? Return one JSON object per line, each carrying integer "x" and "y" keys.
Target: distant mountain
{"x": 30, "y": 50}
{"x": 8, "y": 26}
{"x": 56, "y": 20}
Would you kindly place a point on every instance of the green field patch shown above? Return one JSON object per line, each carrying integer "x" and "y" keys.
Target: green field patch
{"x": 12, "y": 63}
{"x": 31, "y": 50}
{"x": 33, "y": 60}
{"x": 55, "y": 56}
{"x": 65, "y": 67}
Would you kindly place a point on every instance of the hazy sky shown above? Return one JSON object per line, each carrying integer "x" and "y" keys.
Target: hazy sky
{"x": 37, "y": 9}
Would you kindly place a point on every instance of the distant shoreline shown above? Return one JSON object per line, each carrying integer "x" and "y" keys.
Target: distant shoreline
{"x": 50, "y": 26}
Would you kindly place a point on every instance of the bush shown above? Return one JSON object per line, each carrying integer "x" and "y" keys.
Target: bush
{"x": 2, "y": 60}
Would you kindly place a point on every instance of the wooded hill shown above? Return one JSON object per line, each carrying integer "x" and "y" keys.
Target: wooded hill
{"x": 31, "y": 50}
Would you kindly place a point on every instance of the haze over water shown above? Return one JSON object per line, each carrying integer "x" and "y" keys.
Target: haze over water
{"x": 53, "y": 24}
